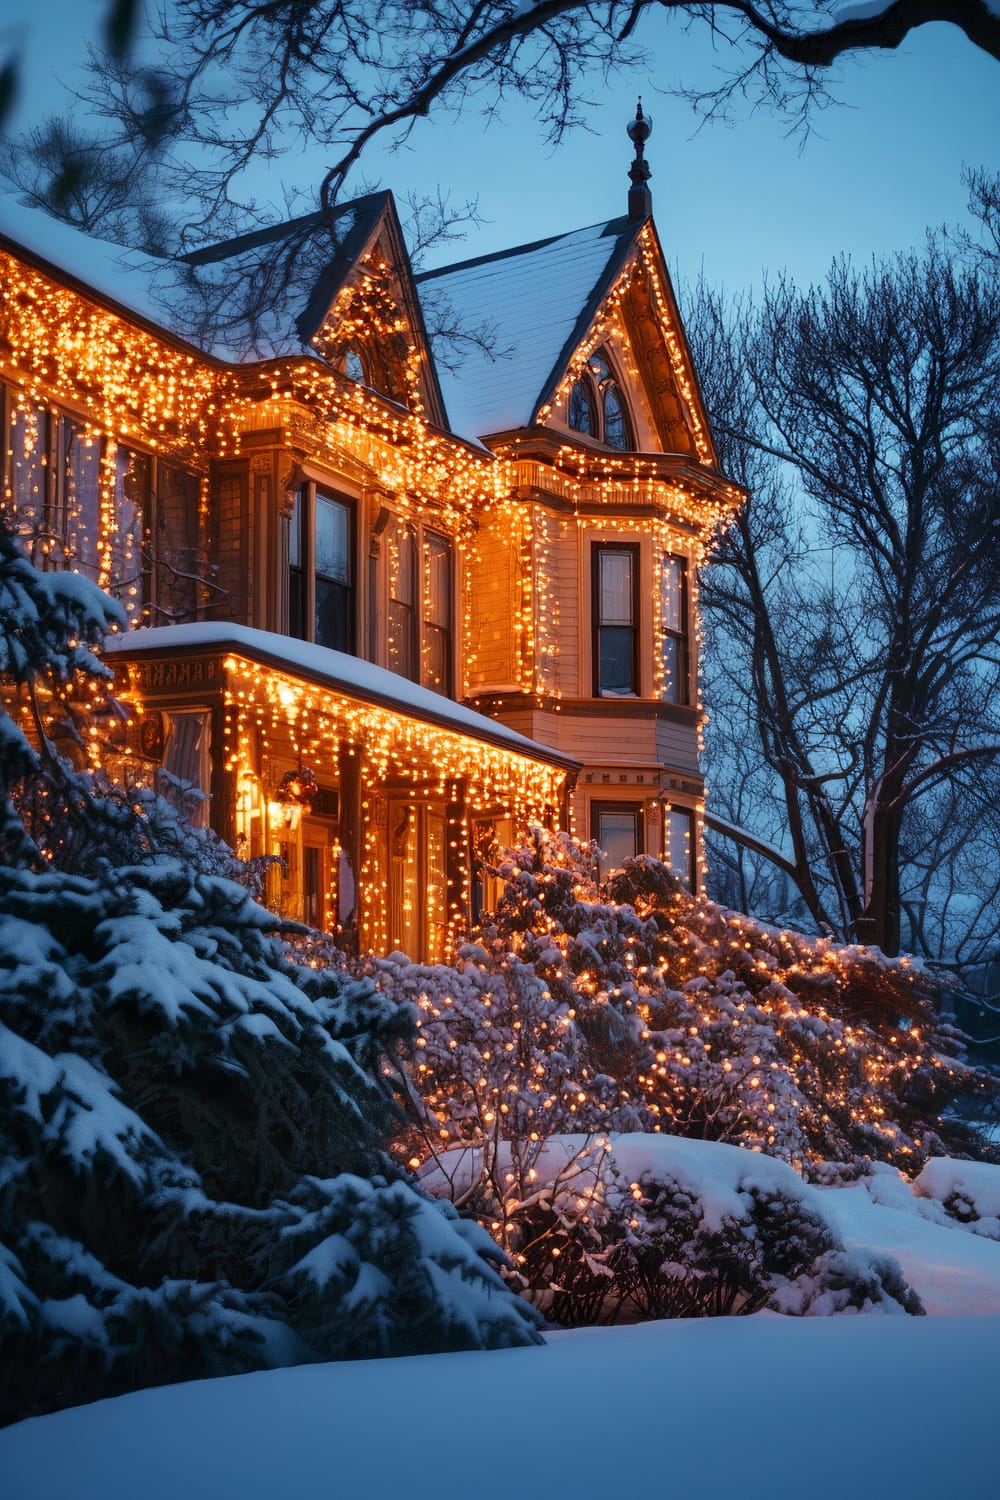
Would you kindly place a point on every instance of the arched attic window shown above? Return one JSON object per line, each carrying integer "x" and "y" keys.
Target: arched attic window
{"x": 597, "y": 405}
{"x": 353, "y": 366}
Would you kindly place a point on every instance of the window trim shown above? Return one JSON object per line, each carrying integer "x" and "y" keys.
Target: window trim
{"x": 598, "y": 548}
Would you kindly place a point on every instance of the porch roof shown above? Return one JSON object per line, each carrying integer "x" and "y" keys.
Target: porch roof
{"x": 341, "y": 673}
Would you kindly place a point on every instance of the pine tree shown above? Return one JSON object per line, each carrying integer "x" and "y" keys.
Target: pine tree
{"x": 192, "y": 1176}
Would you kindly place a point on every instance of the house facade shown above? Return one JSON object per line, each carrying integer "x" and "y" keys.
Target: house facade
{"x": 409, "y": 561}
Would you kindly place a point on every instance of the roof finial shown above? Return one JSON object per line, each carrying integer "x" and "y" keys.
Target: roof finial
{"x": 640, "y": 199}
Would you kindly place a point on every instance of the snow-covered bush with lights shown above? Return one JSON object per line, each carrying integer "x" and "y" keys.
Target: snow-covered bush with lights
{"x": 635, "y": 1227}
{"x": 638, "y": 1008}
{"x": 192, "y": 1177}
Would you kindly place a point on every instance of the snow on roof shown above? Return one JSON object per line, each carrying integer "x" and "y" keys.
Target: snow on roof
{"x": 536, "y": 301}
{"x": 127, "y": 277}
{"x": 335, "y": 669}
{"x": 234, "y": 300}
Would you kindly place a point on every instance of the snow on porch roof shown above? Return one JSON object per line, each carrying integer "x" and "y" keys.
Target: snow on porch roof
{"x": 536, "y": 302}
{"x": 334, "y": 669}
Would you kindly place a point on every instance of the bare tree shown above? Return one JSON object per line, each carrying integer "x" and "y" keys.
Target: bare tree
{"x": 252, "y": 79}
{"x": 855, "y": 602}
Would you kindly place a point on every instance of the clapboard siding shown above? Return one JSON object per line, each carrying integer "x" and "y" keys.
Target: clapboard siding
{"x": 494, "y": 588}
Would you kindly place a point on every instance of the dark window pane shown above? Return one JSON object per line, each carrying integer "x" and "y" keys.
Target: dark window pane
{"x": 133, "y": 483}
{"x": 617, "y": 668}
{"x": 672, "y": 595}
{"x": 333, "y": 540}
{"x": 27, "y": 471}
{"x": 674, "y": 670}
{"x": 402, "y": 655}
{"x": 618, "y": 837}
{"x": 678, "y": 838}
{"x": 673, "y": 612}
{"x": 175, "y": 545}
{"x": 436, "y": 664}
{"x": 295, "y": 557}
{"x": 616, "y": 431}
{"x": 334, "y": 616}
{"x": 79, "y": 501}
{"x": 581, "y": 416}
{"x": 437, "y": 562}
{"x": 297, "y": 603}
{"x": 616, "y": 598}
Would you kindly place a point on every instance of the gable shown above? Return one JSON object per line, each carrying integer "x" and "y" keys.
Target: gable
{"x": 543, "y": 309}
{"x": 519, "y": 314}
{"x": 637, "y": 332}
{"x": 364, "y": 317}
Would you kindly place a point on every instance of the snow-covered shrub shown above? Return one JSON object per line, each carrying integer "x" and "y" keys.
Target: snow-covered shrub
{"x": 642, "y": 1227}
{"x": 636, "y": 1007}
{"x": 187, "y": 1118}
{"x": 968, "y": 1192}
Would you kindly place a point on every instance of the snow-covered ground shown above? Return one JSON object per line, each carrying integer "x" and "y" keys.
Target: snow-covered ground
{"x": 849, "y": 1408}
{"x": 866, "y": 1407}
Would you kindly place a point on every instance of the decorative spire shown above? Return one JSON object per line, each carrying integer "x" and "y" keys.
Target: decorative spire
{"x": 640, "y": 199}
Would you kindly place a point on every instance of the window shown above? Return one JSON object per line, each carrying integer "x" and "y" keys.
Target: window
{"x": 679, "y": 844}
{"x": 615, "y": 613}
{"x": 417, "y": 879}
{"x": 674, "y": 624}
{"x": 118, "y": 516}
{"x": 321, "y": 600}
{"x": 597, "y": 405}
{"x": 617, "y": 830}
{"x": 435, "y": 668}
{"x": 402, "y": 590}
{"x": 412, "y": 570}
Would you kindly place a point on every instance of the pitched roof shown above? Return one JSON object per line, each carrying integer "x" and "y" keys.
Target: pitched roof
{"x": 535, "y": 303}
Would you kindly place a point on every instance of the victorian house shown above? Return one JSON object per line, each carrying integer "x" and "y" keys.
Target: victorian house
{"x": 409, "y": 561}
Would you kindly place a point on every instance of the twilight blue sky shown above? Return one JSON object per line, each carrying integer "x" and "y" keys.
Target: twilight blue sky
{"x": 736, "y": 198}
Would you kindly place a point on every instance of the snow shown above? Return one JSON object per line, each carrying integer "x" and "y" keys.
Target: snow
{"x": 952, "y": 1271}
{"x": 531, "y": 299}
{"x": 122, "y": 275}
{"x": 151, "y": 286}
{"x": 334, "y": 669}
{"x": 724, "y": 1409}
{"x": 976, "y": 1182}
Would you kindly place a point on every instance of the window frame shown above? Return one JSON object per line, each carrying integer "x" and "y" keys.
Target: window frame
{"x": 634, "y": 808}
{"x": 599, "y": 549}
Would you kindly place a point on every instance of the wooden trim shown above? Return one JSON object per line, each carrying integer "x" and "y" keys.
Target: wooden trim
{"x": 516, "y": 700}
